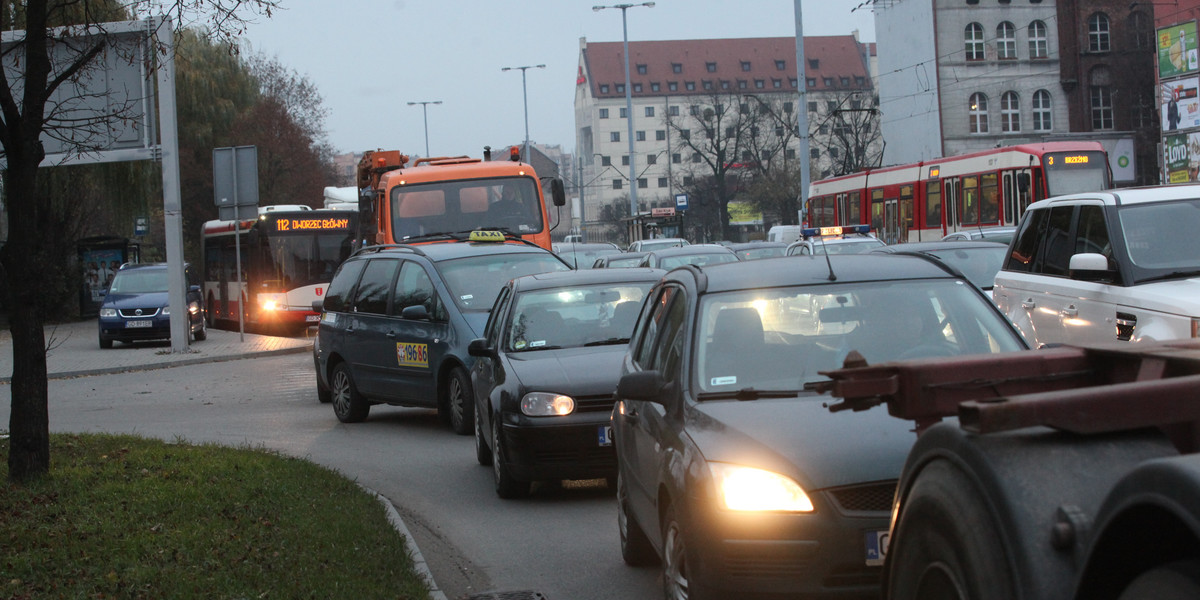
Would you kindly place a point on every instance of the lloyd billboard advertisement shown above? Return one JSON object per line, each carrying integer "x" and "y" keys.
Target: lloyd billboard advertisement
{"x": 1181, "y": 156}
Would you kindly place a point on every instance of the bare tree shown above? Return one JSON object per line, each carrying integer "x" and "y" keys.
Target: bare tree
{"x": 37, "y": 98}
{"x": 848, "y": 138}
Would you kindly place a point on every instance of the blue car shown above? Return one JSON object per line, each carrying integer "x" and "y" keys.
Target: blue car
{"x": 135, "y": 306}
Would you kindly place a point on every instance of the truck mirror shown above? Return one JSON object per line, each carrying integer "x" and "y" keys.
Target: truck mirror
{"x": 1023, "y": 182}
{"x": 366, "y": 205}
{"x": 557, "y": 193}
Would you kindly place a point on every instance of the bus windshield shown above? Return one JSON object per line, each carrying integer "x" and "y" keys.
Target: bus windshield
{"x": 1075, "y": 172}
{"x": 296, "y": 260}
{"x": 510, "y": 203}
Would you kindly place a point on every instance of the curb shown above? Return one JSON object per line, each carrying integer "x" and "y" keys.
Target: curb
{"x": 168, "y": 364}
{"x": 419, "y": 563}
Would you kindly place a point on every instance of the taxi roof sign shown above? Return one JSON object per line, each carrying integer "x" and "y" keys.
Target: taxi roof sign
{"x": 836, "y": 230}
{"x": 487, "y": 236}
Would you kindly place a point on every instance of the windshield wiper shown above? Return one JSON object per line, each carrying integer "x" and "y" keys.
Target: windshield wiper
{"x": 748, "y": 393}
{"x": 609, "y": 342}
{"x": 533, "y": 348}
{"x": 1172, "y": 275}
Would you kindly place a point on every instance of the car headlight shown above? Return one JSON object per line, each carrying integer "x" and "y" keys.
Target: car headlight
{"x": 166, "y": 311}
{"x": 545, "y": 404}
{"x": 748, "y": 489}
{"x": 108, "y": 312}
{"x": 193, "y": 307}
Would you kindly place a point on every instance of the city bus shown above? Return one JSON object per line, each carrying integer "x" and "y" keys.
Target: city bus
{"x": 288, "y": 258}
{"x": 929, "y": 199}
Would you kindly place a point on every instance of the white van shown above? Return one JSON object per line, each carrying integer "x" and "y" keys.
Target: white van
{"x": 784, "y": 233}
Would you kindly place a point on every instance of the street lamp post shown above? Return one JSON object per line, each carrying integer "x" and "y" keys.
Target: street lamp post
{"x": 425, "y": 113}
{"x": 633, "y": 202}
{"x": 525, "y": 96}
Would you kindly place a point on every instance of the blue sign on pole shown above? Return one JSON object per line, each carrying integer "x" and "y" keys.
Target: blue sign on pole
{"x": 681, "y": 202}
{"x": 141, "y": 226}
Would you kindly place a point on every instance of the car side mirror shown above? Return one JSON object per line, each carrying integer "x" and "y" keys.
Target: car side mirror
{"x": 557, "y": 193}
{"x": 415, "y": 313}
{"x": 642, "y": 385}
{"x": 318, "y": 305}
{"x": 478, "y": 348}
{"x": 1089, "y": 266}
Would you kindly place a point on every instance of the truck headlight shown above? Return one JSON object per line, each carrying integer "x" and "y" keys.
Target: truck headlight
{"x": 545, "y": 404}
{"x": 748, "y": 489}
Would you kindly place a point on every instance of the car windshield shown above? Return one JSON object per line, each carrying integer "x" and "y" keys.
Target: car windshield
{"x": 715, "y": 258}
{"x": 584, "y": 258}
{"x": 622, "y": 261}
{"x": 847, "y": 247}
{"x": 461, "y": 206}
{"x": 475, "y": 281}
{"x": 568, "y": 317}
{"x": 139, "y": 281}
{"x": 1002, "y": 236}
{"x": 648, "y": 245}
{"x": 766, "y": 252}
{"x": 1161, "y": 237}
{"x": 782, "y": 338}
{"x": 980, "y": 265}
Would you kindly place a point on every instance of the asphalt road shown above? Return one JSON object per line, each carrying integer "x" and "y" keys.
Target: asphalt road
{"x": 561, "y": 543}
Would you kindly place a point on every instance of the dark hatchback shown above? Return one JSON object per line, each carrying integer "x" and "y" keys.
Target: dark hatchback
{"x": 545, "y": 373}
{"x": 731, "y": 470}
{"x": 135, "y": 306}
{"x": 978, "y": 260}
{"x": 397, "y": 320}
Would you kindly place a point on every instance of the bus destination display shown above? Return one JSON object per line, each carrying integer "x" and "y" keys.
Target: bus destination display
{"x": 302, "y": 224}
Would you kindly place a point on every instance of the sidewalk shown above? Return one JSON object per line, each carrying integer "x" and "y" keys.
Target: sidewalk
{"x": 74, "y": 350}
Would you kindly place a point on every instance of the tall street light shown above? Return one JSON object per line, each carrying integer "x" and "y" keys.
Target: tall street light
{"x": 525, "y": 96}
{"x": 425, "y": 112}
{"x": 633, "y": 202}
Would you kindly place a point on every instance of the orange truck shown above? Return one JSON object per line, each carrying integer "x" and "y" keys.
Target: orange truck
{"x": 448, "y": 197}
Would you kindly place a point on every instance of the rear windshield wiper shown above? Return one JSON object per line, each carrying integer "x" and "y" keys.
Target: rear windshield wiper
{"x": 609, "y": 342}
{"x": 748, "y": 393}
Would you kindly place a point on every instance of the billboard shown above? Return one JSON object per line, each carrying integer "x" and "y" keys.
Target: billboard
{"x": 1181, "y": 157}
{"x": 744, "y": 213}
{"x": 1180, "y": 100}
{"x": 1177, "y": 50}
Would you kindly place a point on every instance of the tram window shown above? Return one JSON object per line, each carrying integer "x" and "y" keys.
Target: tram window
{"x": 933, "y": 204}
{"x": 855, "y": 203}
{"x": 969, "y": 215}
{"x": 989, "y": 206}
{"x": 906, "y": 205}
{"x": 877, "y": 210}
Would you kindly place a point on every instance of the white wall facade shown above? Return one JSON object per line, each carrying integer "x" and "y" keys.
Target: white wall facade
{"x": 908, "y": 79}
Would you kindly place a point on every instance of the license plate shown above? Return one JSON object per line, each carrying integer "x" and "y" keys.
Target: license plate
{"x": 139, "y": 323}
{"x": 312, "y": 318}
{"x": 605, "y": 435}
{"x": 877, "y": 546}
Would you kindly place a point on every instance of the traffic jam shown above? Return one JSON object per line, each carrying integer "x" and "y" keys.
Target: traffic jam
{"x": 727, "y": 393}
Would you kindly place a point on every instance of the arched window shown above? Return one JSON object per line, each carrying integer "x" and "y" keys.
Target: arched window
{"x": 1041, "y": 111}
{"x": 1038, "y": 45}
{"x": 977, "y": 113}
{"x": 974, "y": 41}
{"x": 1006, "y": 41}
{"x": 1141, "y": 31}
{"x": 1098, "y": 33}
{"x": 1010, "y": 113}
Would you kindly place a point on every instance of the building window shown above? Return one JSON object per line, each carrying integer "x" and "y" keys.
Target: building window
{"x": 623, "y": 112}
{"x": 604, "y": 113}
{"x": 690, "y": 85}
{"x": 724, "y": 84}
{"x": 743, "y": 84}
{"x": 676, "y": 158}
{"x": 649, "y": 111}
{"x": 708, "y": 85}
{"x": 812, "y": 107}
{"x": 614, "y": 136}
{"x": 620, "y": 88}
{"x": 673, "y": 111}
{"x": 792, "y": 82}
{"x": 729, "y": 133}
{"x": 810, "y": 82}
{"x": 694, "y": 109}
{"x": 778, "y": 83}
{"x": 780, "y": 65}
{"x": 974, "y": 41}
{"x": 1143, "y": 112}
{"x": 814, "y": 153}
{"x": 745, "y": 65}
{"x": 654, "y": 87}
{"x": 977, "y": 111}
{"x": 606, "y": 161}
{"x": 1098, "y": 33}
{"x": 711, "y": 67}
{"x": 625, "y": 160}
{"x": 652, "y": 159}
{"x": 790, "y": 154}
{"x": 859, "y": 80}
{"x": 662, "y": 182}
{"x": 685, "y": 134}
{"x": 641, "y": 69}
{"x": 845, "y": 81}
{"x": 1038, "y": 46}
{"x": 637, "y": 87}
{"x": 1006, "y": 41}
{"x": 643, "y": 183}
{"x": 676, "y": 67}
{"x": 1041, "y": 111}
{"x": 759, "y": 84}
{"x": 604, "y": 88}
{"x": 616, "y": 184}
{"x": 1102, "y": 108}
{"x": 1140, "y": 29}
{"x": 1010, "y": 113}
{"x": 641, "y": 136}
{"x": 827, "y": 82}
{"x": 660, "y": 135}
{"x": 831, "y": 105}
{"x": 696, "y": 157}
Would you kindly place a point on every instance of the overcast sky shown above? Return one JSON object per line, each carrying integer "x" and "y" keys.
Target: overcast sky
{"x": 369, "y": 58}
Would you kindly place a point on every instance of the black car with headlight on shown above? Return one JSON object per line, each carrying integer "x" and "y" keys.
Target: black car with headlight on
{"x": 731, "y": 471}
{"x": 544, "y": 374}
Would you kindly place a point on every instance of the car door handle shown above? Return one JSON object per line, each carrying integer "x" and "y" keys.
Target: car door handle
{"x": 391, "y": 335}
{"x": 1029, "y": 304}
{"x": 1069, "y": 311}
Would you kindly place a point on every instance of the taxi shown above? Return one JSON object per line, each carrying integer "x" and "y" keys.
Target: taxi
{"x": 842, "y": 239}
{"x": 397, "y": 319}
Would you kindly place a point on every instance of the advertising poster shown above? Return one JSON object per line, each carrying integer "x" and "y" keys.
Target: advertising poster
{"x": 744, "y": 213}
{"x": 1181, "y": 155}
{"x": 1180, "y": 104}
{"x": 1177, "y": 53}
{"x": 98, "y": 269}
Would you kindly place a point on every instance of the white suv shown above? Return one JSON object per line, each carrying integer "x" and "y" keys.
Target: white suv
{"x": 1106, "y": 266}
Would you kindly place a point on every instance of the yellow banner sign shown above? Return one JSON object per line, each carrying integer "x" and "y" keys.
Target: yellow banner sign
{"x": 412, "y": 355}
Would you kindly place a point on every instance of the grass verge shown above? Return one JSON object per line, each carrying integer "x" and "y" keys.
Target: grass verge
{"x": 128, "y": 517}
